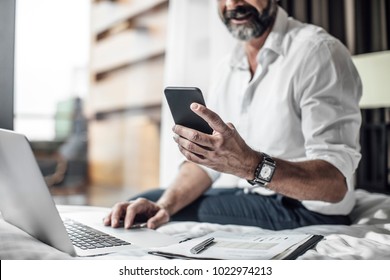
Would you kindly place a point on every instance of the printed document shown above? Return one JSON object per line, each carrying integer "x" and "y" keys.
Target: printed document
{"x": 234, "y": 246}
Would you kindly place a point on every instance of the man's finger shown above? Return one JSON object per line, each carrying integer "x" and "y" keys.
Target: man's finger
{"x": 192, "y": 156}
{"x": 160, "y": 218}
{"x": 215, "y": 122}
{"x": 107, "y": 220}
{"x": 130, "y": 216}
{"x": 116, "y": 214}
{"x": 138, "y": 206}
{"x": 192, "y": 135}
{"x": 190, "y": 146}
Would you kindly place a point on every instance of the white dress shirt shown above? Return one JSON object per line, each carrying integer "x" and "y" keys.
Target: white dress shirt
{"x": 301, "y": 104}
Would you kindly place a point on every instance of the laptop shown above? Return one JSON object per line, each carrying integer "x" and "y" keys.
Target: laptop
{"x": 25, "y": 202}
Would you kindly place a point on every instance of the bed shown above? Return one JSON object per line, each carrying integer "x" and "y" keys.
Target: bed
{"x": 367, "y": 238}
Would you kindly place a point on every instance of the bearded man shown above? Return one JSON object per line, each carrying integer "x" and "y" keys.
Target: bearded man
{"x": 290, "y": 149}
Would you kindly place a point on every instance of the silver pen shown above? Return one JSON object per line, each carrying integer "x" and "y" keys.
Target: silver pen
{"x": 202, "y": 245}
{"x": 141, "y": 225}
{"x": 134, "y": 226}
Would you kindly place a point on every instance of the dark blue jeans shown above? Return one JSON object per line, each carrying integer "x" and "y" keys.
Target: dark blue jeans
{"x": 233, "y": 206}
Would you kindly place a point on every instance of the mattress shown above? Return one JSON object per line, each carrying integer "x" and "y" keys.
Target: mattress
{"x": 367, "y": 238}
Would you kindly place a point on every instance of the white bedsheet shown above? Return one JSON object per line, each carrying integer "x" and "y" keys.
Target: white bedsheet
{"x": 368, "y": 237}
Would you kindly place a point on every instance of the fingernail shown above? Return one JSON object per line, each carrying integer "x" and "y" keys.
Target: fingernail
{"x": 194, "y": 106}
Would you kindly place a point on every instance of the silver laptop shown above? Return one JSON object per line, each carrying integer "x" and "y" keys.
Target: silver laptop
{"x": 26, "y": 202}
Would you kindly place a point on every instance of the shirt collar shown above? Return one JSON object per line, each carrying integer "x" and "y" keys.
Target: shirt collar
{"x": 273, "y": 43}
{"x": 274, "y": 40}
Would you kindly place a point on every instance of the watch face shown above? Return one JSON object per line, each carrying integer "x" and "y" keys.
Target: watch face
{"x": 266, "y": 172}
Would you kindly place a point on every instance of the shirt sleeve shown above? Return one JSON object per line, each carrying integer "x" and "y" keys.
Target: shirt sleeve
{"x": 330, "y": 93}
{"x": 214, "y": 175}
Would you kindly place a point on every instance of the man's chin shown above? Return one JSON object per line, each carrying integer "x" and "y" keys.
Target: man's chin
{"x": 242, "y": 37}
{"x": 242, "y": 33}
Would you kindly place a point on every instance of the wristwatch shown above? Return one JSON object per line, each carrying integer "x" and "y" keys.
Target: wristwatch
{"x": 264, "y": 171}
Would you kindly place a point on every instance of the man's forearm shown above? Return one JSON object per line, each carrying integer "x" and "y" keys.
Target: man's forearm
{"x": 308, "y": 180}
{"x": 191, "y": 182}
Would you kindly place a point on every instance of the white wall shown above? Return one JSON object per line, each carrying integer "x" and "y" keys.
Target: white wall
{"x": 197, "y": 40}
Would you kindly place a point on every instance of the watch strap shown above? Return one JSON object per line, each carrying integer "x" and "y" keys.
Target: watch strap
{"x": 259, "y": 180}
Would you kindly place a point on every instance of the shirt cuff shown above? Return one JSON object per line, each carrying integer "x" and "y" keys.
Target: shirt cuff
{"x": 214, "y": 175}
{"x": 346, "y": 163}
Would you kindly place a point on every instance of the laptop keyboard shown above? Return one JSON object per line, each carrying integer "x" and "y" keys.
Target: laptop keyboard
{"x": 85, "y": 237}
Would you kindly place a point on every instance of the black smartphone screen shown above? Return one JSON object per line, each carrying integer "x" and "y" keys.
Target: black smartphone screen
{"x": 179, "y": 101}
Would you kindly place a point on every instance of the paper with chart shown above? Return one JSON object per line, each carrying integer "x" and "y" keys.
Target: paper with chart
{"x": 235, "y": 246}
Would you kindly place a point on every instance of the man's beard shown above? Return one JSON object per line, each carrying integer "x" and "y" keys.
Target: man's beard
{"x": 257, "y": 24}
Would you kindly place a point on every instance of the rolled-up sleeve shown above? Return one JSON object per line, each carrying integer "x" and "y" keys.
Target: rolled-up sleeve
{"x": 331, "y": 119}
{"x": 214, "y": 175}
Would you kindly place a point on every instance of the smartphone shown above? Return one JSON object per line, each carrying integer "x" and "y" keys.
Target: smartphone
{"x": 179, "y": 100}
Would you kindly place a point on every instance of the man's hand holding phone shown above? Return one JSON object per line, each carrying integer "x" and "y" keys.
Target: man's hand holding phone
{"x": 179, "y": 101}
{"x": 224, "y": 150}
